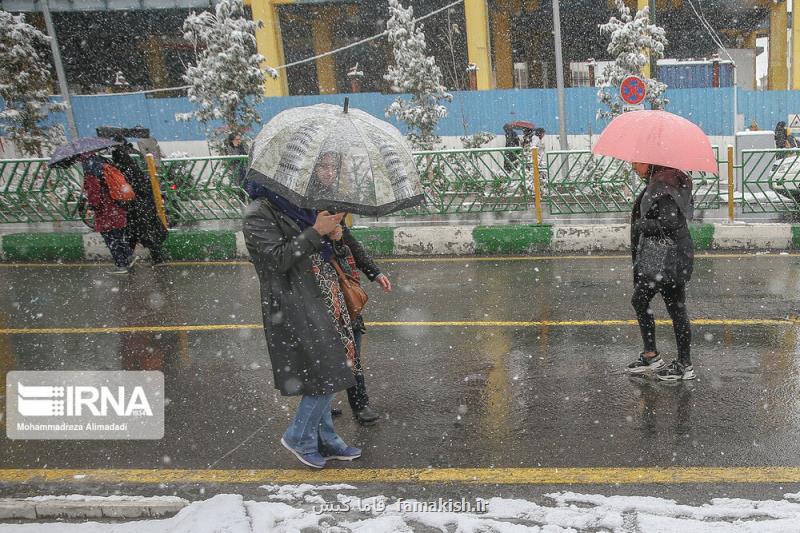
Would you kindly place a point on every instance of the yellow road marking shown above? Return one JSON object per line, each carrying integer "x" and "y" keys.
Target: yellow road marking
{"x": 464, "y": 323}
{"x": 461, "y": 259}
{"x": 508, "y": 476}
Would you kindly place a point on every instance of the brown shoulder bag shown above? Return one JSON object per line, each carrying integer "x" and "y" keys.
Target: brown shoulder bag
{"x": 354, "y": 296}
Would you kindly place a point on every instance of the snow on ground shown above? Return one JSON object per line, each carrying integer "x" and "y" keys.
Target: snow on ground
{"x": 309, "y": 507}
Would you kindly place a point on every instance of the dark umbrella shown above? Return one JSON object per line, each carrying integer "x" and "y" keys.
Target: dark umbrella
{"x": 65, "y": 154}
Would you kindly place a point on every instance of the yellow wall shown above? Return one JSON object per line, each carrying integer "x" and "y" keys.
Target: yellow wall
{"x": 326, "y": 66}
{"x": 778, "y": 72}
{"x": 796, "y": 45}
{"x": 501, "y": 37}
{"x": 270, "y": 44}
{"x": 476, "y": 13}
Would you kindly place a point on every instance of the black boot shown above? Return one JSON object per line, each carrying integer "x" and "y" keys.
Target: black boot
{"x": 366, "y": 415}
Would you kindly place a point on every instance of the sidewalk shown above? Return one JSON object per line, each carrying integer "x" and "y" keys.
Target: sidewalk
{"x": 200, "y": 245}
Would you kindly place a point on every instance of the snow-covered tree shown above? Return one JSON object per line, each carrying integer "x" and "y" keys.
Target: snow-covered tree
{"x": 632, "y": 39}
{"x": 416, "y": 74}
{"x": 477, "y": 140}
{"x": 25, "y": 87}
{"x": 226, "y": 81}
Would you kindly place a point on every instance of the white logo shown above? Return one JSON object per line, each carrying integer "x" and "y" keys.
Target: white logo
{"x": 40, "y": 401}
{"x": 81, "y": 401}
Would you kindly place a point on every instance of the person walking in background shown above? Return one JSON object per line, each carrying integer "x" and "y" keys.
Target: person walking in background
{"x": 538, "y": 141}
{"x": 110, "y": 217}
{"x": 144, "y": 224}
{"x": 781, "y": 139}
{"x": 662, "y": 210}
{"x": 306, "y": 323}
{"x": 235, "y": 146}
{"x": 353, "y": 258}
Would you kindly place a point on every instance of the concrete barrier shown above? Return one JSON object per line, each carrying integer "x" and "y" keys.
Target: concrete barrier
{"x": 510, "y": 239}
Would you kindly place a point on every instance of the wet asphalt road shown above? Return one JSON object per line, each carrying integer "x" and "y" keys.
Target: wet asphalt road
{"x": 456, "y": 396}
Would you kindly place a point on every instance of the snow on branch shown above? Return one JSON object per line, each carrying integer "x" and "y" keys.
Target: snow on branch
{"x": 226, "y": 81}
{"x": 416, "y": 74}
{"x": 633, "y": 38}
{"x": 25, "y": 81}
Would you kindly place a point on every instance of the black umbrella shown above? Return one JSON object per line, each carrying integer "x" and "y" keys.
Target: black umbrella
{"x": 65, "y": 154}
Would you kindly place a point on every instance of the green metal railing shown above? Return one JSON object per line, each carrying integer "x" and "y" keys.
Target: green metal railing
{"x": 770, "y": 181}
{"x": 580, "y": 182}
{"x": 30, "y": 191}
{"x": 204, "y": 188}
{"x": 455, "y": 181}
{"x": 473, "y": 181}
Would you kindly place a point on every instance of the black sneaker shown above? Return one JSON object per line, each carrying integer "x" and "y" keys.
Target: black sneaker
{"x": 645, "y": 364}
{"x": 676, "y": 371}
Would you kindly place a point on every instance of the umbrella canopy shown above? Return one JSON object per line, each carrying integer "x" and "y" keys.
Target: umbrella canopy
{"x": 66, "y": 153}
{"x": 658, "y": 138}
{"x": 326, "y": 157}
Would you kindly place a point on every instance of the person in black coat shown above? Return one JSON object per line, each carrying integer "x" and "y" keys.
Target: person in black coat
{"x": 306, "y": 323}
{"x": 663, "y": 209}
{"x": 352, "y": 256}
{"x": 144, "y": 224}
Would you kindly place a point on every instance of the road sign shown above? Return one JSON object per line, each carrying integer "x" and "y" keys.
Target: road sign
{"x": 794, "y": 121}
{"x": 633, "y": 90}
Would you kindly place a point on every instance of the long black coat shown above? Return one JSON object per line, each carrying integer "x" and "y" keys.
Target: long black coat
{"x": 668, "y": 206}
{"x": 306, "y": 352}
{"x": 143, "y": 222}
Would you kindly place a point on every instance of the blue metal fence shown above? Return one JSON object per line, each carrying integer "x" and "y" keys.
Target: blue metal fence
{"x": 469, "y": 112}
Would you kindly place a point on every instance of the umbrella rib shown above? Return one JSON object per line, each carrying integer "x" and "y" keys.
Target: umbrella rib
{"x": 369, "y": 158}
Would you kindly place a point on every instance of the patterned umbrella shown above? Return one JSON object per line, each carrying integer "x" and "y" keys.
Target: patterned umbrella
{"x": 328, "y": 157}
{"x": 65, "y": 154}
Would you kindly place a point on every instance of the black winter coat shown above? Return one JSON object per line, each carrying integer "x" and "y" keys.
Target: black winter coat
{"x": 143, "y": 222}
{"x": 667, "y": 206}
{"x": 304, "y": 347}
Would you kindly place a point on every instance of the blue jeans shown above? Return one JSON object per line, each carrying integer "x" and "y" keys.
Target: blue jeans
{"x": 312, "y": 431}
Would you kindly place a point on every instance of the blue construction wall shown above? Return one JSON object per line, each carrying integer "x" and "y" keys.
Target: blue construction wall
{"x": 469, "y": 112}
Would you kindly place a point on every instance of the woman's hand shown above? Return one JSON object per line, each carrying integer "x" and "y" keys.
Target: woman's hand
{"x": 337, "y": 233}
{"x": 384, "y": 282}
{"x": 326, "y": 222}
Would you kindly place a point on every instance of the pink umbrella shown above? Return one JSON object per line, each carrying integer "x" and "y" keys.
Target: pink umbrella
{"x": 659, "y": 138}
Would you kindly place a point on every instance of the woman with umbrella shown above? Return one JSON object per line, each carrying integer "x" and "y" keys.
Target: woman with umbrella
{"x": 663, "y": 209}
{"x": 110, "y": 216}
{"x": 291, "y": 176}
{"x": 309, "y": 335}
{"x": 661, "y": 245}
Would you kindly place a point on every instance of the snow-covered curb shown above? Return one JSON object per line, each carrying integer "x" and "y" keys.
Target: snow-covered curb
{"x": 416, "y": 240}
{"x": 306, "y": 507}
{"x": 78, "y": 506}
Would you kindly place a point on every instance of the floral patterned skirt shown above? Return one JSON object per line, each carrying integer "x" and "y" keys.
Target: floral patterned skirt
{"x": 328, "y": 282}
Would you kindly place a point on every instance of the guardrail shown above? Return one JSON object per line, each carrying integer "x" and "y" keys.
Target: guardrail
{"x": 473, "y": 181}
{"x": 30, "y": 191}
{"x": 485, "y": 180}
{"x": 580, "y": 182}
{"x": 770, "y": 181}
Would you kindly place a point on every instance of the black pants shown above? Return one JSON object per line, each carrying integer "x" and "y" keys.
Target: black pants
{"x": 357, "y": 394}
{"x": 156, "y": 249}
{"x": 675, "y": 300}
{"x": 118, "y": 242}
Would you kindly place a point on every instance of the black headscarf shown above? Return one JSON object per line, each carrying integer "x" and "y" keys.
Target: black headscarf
{"x": 304, "y": 218}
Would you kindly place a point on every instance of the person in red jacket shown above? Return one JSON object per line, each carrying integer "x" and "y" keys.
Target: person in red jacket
{"x": 110, "y": 218}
